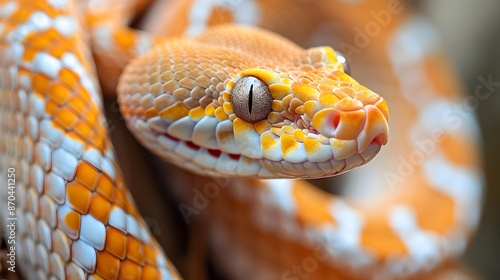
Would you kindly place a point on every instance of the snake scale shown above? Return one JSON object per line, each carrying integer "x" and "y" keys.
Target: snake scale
{"x": 240, "y": 102}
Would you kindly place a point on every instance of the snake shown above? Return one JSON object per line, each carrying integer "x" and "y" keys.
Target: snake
{"x": 236, "y": 90}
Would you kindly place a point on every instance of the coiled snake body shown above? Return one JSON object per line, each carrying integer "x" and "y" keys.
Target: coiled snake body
{"x": 236, "y": 102}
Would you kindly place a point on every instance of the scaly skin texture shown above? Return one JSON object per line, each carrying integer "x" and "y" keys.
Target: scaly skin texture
{"x": 177, "y": 100}
{"x": 76, "y": 218}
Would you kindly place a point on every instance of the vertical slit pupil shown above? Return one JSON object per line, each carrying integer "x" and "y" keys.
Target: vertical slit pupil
{"x": 250, "y": 98}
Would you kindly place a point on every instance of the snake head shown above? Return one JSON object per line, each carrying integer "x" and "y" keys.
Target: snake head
{"x": 220, "y": 107}
{"x": 312, "y": 120}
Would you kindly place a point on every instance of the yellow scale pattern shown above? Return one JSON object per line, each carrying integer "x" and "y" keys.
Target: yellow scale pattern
{"x": 92, "y": 189}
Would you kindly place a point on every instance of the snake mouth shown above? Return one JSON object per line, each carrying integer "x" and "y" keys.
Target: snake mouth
{"x": 308, "y": 128}
{"x": 215, "y": 162}
{"x": 198, "y": 159}
{"x": 194, "y": 147}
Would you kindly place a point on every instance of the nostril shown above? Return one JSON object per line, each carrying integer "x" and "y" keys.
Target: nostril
{"x": 327, "y": 121}
{"x": 336, "y": 121}
{"x": 340, "y": 124}
{"x": 375, "y": 130}
{"x": 380, "y": 139}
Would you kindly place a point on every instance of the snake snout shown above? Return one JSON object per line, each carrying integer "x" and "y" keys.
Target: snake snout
{"x": 353, "y": 121}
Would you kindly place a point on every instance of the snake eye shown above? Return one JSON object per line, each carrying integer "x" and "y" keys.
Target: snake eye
{"x": 342, "y": 59}
{"x": 251, "y": 99}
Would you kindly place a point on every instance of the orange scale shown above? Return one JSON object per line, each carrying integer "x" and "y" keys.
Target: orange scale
{"x": 78, "y": 197}
{"x": 69, "y": 77}
{"x": 151, "y": 112}
{"x": 57, "y": 51}
{"x": 105, "y": 187}
{"x": 458, "y": 150}
{"x": 443, "y": 85}
{"x": 22, "y": 14}
{"x": 51, "y": 12}
{"x": 149, "y": 272}
{"x": 305, "y": 81}
{"x": 119, "y": 198}
{"x": 150, "y": 254}
{"x": 96, "y": 141}
{"x": 72, "y": 220}
{"x": 108, "y": 266}
{"x": 52, "y": 33}
{"x": 91, "y": 117}
{"x": 40, "y": 83}
{"x": 124, "y": 39}
{"x": 82, "y": 129}
{"x": 66, "y": 118}
{"x": 86, "y": 175}
{"x": 130, "y": 270}
{"x": 84, "y": 95}
{"x": 100, "y": 208}
{"x": 40, "y": 44}
{"x": 358, "y": 87}
{"x": 50, "y": 36}
{"x": 85, "y": 109}
{"x": 379, "y": 237}
{"x": 68, "y": 44}
{"x": 59, "y": 93}
{"x": 116, "y": 242}
{"x": 77, "y": 104}
{"x": 440, "y": 221}
{"x": 29, "y": 54}
{"x": 326, "y": 87}
{"x": 312, "y": 204}
{"x": 382, "y": 106}
{"x": 135, "y": 250}
{"x": 51, "y": 107}
{"x": 175, "y": 111}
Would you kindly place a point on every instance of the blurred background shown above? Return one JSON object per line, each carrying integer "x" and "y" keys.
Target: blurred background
{"x": 470, "y": 31}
